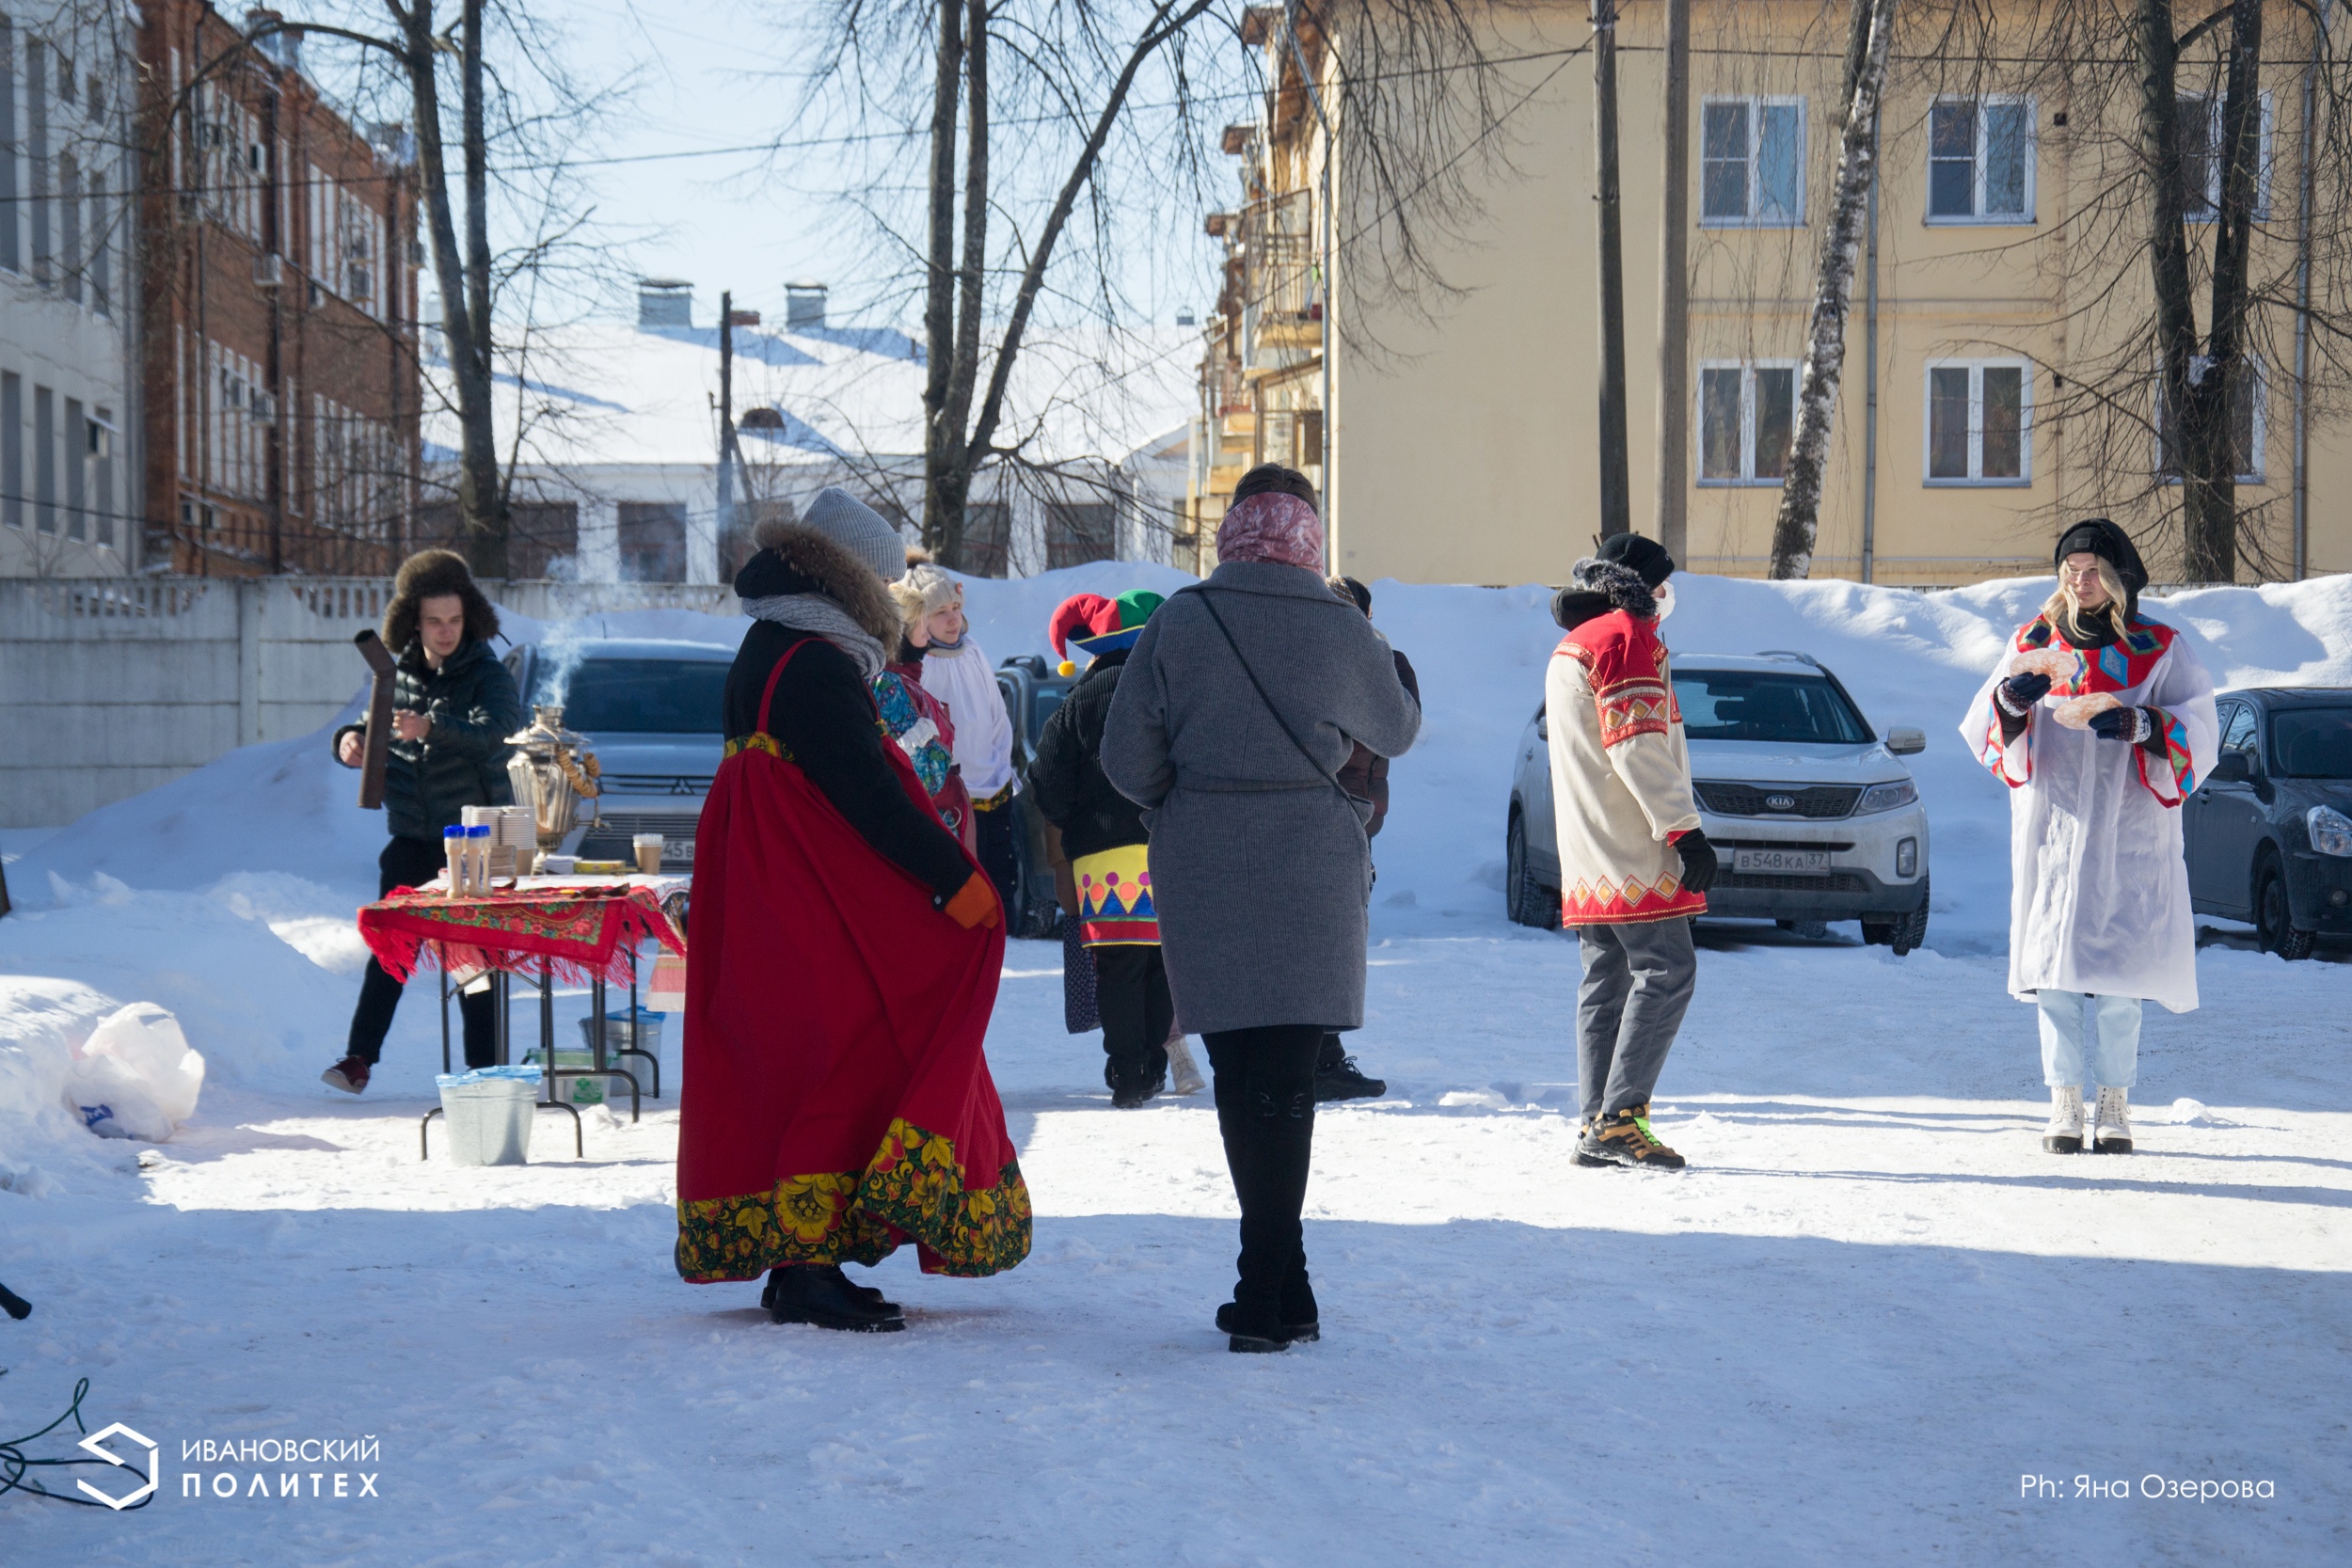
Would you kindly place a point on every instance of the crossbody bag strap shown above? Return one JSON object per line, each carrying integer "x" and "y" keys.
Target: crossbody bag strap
{"x": 1329, "y": 777}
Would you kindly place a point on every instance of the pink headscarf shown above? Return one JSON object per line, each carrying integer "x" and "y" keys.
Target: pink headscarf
{"x": 1274, "y": 527}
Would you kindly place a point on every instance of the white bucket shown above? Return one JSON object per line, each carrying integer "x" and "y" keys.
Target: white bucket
{"x": 489, "y": 1116}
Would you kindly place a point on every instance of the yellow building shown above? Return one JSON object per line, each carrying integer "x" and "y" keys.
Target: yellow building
{"x": 2010, "y": 294}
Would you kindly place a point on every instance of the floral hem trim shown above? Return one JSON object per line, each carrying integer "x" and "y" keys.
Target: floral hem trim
{"x": 2176, "y": 770}
{"x": 913, "y": 1189}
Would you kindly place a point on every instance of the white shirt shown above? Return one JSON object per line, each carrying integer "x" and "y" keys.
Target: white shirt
{"x": 2099, "y": 887}
{"x": 966, "y": 682}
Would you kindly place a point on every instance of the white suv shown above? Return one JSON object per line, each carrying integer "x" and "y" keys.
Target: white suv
{"x": 1814, "y": 816}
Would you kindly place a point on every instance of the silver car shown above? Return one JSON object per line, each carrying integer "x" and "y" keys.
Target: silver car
{"x": 654, "y": 712}
{"x": 1814, "y": 816}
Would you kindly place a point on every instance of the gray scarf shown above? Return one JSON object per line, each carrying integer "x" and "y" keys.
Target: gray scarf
{"x": 827, "y": 619}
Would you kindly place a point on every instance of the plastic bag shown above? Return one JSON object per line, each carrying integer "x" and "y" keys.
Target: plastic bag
{"x": 135, "y": 1076}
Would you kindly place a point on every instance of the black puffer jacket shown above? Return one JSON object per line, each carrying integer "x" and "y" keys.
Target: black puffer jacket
{"x": 474, "y": 706}
{"x": 1066, "y": 780}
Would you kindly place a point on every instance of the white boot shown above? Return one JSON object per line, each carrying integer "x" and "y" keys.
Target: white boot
{"x": 2113, "y": 1132}
{"x": 1181, "y": 1069}
{"x": 2064, "y": 1136}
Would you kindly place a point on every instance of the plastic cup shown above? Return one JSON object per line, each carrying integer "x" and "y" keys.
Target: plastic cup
{"x": 648, "y": 848}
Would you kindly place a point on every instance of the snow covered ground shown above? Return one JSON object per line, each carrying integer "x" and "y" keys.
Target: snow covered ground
{"x": 1870, "y": 1308}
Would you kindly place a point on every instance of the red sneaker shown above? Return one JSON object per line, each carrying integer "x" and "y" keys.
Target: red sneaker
{"x": 349, "y": 1075}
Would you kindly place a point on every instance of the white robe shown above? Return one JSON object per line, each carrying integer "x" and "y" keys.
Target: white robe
{"x": 966, "y": 682}
{"x": 2099, "y": 895}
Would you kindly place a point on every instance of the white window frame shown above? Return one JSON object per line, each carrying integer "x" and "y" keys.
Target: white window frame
{"x": 2256, "y": 454}
{"x": 2215, "y": 102}
{"x": 1747, "y": 369}
{"x": 1756, "y": 103}
{"x": 1976, "y": 369}
{"x": 1978, "y": 217}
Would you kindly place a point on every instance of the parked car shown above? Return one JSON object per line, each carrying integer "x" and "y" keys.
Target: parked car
{"x": 2269, "y": 832}
{"x": 1032, "y": 691}
{"x": 655, "y": 713}
{"x": 1815, "y": 817}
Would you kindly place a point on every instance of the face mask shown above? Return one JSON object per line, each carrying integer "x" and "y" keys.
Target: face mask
{"x": 1664, "y": 594}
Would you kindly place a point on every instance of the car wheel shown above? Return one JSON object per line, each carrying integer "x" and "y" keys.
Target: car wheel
{"x": 2274, "y": 916}
{"x": 1912, "y": 929}
{"x": 1523, "y": 898}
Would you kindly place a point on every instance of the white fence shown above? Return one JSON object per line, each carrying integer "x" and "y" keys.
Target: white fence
{"x": 111, "y": 686}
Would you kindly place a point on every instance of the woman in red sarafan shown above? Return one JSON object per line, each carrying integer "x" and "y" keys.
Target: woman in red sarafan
{"x": 845, "y": 955}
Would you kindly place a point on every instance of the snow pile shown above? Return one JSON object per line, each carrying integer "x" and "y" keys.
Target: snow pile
{"x": 135, "y": 1077}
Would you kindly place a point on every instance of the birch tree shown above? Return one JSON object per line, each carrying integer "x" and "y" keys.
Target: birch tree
{"x": 1798, "y": 521}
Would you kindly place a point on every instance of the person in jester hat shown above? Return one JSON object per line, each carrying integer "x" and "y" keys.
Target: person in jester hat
{"x": 1103, "y": 834}
{"x": 845, "y": 954}
{"x": 2100, "y": 721}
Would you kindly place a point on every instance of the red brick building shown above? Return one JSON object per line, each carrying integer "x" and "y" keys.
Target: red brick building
{"x": 278, "y": 266}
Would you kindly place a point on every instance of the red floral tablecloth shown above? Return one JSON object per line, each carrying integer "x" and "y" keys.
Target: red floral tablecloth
{"x": 578, "y": 932}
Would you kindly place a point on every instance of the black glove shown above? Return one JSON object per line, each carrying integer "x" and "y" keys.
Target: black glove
{"x": 2130, "y": 726}
{"x": 1699, "y": 861}
{"x": 2018, "y": 694}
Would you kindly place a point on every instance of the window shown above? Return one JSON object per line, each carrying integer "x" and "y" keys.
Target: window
{"x": 1747, "y": 419}
{"x": 1075, "y": 534}
{"x": 2311, "y": 742}
{"x": 2249, "y": 391}
{"x": 8, "y": 146}
{"x": 987, "y": 538}
{"x": 1979, "y": 423}
{"x": 1744, "y": 704}
{"x": 2237, "y": 729}
{"x": 70, "y": 211}
{"x": 637, "y": 696}
{"x": 1751, "y": 162}
{"x": 2202, "y": 161}
{"x": 101, "y": 259}
{"x": 1980, "y": 161}
{"x": 11, "y": 448}
{"x": 653, "y": 541}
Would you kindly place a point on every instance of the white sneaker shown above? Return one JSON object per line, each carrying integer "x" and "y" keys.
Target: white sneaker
{"x": 2064, "y": 1136}
{"x": 1180, "y": 1067}
{"x": 2113, "y": 1132}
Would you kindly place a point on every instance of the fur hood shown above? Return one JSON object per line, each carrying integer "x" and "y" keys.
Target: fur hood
{"x": 796, "y": 558}
{"x": 431, "y": 575}
{"x": 1596, "y": 587}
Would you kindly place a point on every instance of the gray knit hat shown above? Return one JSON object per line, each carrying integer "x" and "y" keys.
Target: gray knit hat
{"x": 857, "y": 528}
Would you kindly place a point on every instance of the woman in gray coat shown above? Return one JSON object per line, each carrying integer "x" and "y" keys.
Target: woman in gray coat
{"x": 1241, "y": 702}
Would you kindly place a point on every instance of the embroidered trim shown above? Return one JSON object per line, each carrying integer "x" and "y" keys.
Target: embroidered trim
{"x": 1994, "y": 753}
{"x": 913, "y": 1190}
{"x": 761, "y": 741}
{"x": 1630, "y": 903}
{"x": 2177, "y": 768}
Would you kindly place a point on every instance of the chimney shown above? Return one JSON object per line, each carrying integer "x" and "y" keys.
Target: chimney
{"x": 803, "y": 306}
{"x": 665, "y": 302}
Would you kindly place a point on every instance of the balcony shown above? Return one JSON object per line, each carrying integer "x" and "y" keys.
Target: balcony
{"x": 1281, "y": 284}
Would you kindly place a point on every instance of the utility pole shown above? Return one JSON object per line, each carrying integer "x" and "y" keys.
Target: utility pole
{"x": 1330, "y": 153}
{"x": 1615, "y": 504}
{"x": 1673, "y": 294}
{"x": 726, "y": 426}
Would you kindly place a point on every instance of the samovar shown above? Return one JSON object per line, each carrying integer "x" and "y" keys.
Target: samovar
{"x": 552, "y": 772}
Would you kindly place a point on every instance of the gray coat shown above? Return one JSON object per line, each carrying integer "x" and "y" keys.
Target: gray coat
{"x": 1259, "y": 865}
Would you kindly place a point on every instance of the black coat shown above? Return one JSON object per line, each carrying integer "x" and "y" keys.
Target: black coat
{"x": 823, "y": 713}
{"x": 1065, "y": 781}
{"x": 474, "y": 706}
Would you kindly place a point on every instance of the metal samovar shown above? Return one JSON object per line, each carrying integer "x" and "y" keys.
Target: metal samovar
{"x": 552, "y": 772}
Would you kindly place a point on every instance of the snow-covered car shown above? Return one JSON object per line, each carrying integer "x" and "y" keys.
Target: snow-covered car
{"x": 2269, "y": 832}
{"x": 655, "y": 713}
{"x": 1814, "y": 814}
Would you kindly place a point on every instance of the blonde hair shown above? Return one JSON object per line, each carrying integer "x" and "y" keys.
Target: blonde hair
{"x": 924, "y": 592}
{"x": 2062, "y": 610}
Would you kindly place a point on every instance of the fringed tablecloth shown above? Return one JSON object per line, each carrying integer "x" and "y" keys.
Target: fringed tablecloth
{"x": 578, "y": 932}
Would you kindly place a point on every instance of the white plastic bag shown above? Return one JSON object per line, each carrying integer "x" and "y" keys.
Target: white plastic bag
{"x": 135, "y": 1076}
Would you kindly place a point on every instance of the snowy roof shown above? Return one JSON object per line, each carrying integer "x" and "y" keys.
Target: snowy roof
{"x": 604, "y": 394}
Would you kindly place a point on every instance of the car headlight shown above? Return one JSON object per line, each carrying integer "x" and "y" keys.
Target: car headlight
{"x": 1887, "y": 797}
{"x": 2330, "y": 830}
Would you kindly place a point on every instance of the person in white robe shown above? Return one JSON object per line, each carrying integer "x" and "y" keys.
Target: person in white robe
{"x": 2100, "y": 721}
{"x": 956, "y": 669}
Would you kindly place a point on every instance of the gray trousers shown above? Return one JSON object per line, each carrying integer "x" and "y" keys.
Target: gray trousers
{"x": 1637, "y": 986}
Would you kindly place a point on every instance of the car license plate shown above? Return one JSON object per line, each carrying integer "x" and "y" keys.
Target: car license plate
{"x": 1781, "y": 863}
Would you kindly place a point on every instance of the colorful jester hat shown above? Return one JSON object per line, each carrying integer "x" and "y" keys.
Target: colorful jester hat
{"x": 1096, "y": 625}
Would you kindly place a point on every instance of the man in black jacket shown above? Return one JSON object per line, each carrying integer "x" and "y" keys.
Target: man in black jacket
{"x": 1103, "y": 834}
{"x": 453, "y": 705}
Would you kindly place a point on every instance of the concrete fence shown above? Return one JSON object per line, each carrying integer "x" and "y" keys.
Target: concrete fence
{"x": 111, "y": 686}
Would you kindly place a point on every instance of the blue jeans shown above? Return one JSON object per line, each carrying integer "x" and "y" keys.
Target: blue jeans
{"x": 2113, "y": 1048}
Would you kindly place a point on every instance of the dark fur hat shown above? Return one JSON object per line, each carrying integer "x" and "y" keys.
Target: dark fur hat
{"x": 796, "y": 558}
{"x": 1621, "y": 585}
{"x": 432, "y": 574}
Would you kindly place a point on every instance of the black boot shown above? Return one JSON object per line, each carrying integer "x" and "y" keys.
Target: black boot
{"x": 1298, "y": 1321}
{"x": 819, "y": 1293}
{"x": 1280, "y": 1127}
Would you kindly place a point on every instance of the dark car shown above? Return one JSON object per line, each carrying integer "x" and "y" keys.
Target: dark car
{"x": 2269, "y": 833}
{"x": 1032, "y": 691}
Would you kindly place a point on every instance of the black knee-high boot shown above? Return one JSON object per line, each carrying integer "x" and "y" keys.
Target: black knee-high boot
{"x": 1265, "y": 1103}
